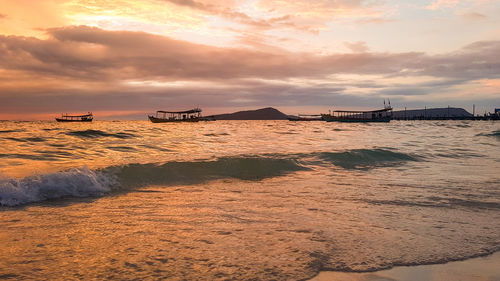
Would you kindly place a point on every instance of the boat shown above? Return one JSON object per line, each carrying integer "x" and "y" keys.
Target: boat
{"x": 193, "y": 115}
{"x": 75, "y": 118}
{"x": 305, "y": 117}
{"x": 380, "y": 115}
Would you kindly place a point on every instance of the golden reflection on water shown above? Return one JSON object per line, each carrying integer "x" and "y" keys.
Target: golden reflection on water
{"x": 217, "y": 230}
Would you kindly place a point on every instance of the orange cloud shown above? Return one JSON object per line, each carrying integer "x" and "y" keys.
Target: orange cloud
{"x": 90, "y": 54}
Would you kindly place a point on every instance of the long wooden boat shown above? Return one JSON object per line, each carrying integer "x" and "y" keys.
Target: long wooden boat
{"x": 193, "y": 115}
{"x": 76, "y": 118}
{"x": 380, "y": 115}
{"x": 305, "y": 117}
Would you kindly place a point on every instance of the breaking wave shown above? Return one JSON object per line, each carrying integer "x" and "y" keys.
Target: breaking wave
{"x": 77, "y": 182}
{"x": 84, "y": 182}
{"x": 97, "y": 133}
{"x": 365, "y": 158}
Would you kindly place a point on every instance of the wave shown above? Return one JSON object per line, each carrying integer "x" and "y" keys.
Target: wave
{"x": 366, "y": 158}
{"x": 32, "y": 139}
{"x": 97, "y": 133}
{"x": 121, "y": 148}
{"x": 10, "y": 131}
{"x": 155, "y": 147}
{"x": 195, "y": 172}
{"x": 492, "y": 134}
{"x": 81, "y": 182}
{"x": 84, "y": 182}
{"x": 44, "y": 156}
{"x": 216, "y": 134}
{"x": 437, "y": 202}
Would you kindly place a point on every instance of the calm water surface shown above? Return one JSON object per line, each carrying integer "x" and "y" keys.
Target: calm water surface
{"x": 243, "y": 200}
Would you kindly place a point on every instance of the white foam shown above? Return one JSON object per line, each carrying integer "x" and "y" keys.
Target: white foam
{"x": 77, "y": 182}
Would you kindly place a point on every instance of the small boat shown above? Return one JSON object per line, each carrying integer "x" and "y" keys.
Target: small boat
{"x": 380, "y": 115}
{"x": 305, "y": 117}
{"x": 76, "y": 118}
{"x": 193, "y": 115}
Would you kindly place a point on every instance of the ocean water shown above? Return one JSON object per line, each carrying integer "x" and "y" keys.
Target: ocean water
{"x": 243, "y": 200}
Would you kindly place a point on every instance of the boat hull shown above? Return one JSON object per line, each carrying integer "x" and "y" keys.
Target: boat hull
{"x": 67, "y": 120}
{"x": 356, "y": 120}
{"x": 305, "y": 119}
{"x": 162, "y": 120}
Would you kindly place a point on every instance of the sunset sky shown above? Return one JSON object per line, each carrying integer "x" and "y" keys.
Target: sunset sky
{"x": 124, "y": 58}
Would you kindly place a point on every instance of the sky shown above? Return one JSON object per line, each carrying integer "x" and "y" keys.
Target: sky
{"x": 122, "y": 59}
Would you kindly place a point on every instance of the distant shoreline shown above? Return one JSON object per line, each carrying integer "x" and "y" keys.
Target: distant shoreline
{"x": 270, "y": 113}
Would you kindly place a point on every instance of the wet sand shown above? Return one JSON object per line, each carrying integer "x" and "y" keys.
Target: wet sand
{"x": 477, "y": 269}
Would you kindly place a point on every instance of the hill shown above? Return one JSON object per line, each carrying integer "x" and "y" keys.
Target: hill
{"x": 267, "y": 113}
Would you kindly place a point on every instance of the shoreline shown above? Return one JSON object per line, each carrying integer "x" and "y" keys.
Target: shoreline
{"x": 478, "y": 268}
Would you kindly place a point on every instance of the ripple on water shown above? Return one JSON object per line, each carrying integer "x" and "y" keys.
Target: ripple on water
{"x": 98, "y": 133}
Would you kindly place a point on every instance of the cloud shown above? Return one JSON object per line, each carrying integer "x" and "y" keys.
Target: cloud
{"x": 473, "y": 16}
{"x": 87, "y": 53}
{"x": 374, "y": 20}
{"x": 86, "y": 68}
{"x": 357, "y": 47}
{"x": 474, "y": 61}
{"x": 27, "y": 17}
{"x": 300, "y": 15}
{"x": 261, "y": 22}
{"x": 439, "y": 4}
{"x": 194, "y": 5}
{"x": 91, "y": 53}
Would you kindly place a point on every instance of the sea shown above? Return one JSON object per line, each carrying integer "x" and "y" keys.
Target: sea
{"x": 243, "y": 200}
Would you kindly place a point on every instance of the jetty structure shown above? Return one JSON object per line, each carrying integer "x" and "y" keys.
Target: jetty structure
{"x": 65, "y": 117}
{"x": 379, "y": 115}
{"x": 192, "y": 115}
